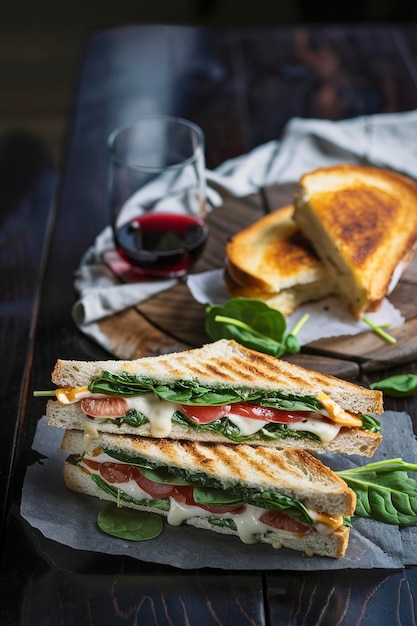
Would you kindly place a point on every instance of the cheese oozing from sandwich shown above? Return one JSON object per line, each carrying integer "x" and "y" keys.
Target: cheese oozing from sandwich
{"x": 247, "y": 518}
{"x": 159, "y": 414}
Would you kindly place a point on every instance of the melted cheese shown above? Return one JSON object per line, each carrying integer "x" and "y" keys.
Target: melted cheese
{"x": 158, "y": 412}
{"x": 248, "y": 524}
{"x": 327, "y": 432}
{"x": 129, "y": 487}
{"x": 69, "y": 395}
{"x": 325, "y": 524}
{"x": 246, "y": 425}
{"x": 337, "y": 414}
{"x": 90, "y": 434}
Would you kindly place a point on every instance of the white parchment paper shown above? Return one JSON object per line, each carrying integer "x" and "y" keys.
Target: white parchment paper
{"x": 328, "y": 317}
{"x": 70, "y": 519}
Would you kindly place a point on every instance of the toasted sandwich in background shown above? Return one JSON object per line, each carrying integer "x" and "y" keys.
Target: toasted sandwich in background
{"x": 273, "y": 261}
{"x": 362, "y": 222}
{"x": 222, "y": 392}
{"x": 286, "y": 498}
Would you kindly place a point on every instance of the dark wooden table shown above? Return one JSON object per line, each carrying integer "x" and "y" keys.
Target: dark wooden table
{"x": 241, "y": 86}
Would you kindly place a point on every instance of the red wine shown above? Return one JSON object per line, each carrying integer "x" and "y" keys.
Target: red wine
{"x": 162, "y": 244}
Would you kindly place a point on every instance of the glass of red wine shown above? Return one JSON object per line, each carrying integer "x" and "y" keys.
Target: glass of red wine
{"x": 156, "y": 176}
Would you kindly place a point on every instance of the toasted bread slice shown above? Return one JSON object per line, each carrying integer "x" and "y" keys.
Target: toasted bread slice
{"x": 286, "y": 301}
{"x": 226, "y": 364}
{"x": 272, "y": 254}
{"x": 362, "y": 222}
{"x": 218, "y": 370}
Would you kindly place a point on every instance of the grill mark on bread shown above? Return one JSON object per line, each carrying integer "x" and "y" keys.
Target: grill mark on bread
{"x": 229, "y": 460}
{"x": 227, "y": 364}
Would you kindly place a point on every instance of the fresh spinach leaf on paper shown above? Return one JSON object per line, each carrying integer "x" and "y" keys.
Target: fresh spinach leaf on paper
{"x": 253, "y": 324}
{"x": 129, "y": 524}
{"x": 384, "y": 491}
{"x": 398, "y": 386}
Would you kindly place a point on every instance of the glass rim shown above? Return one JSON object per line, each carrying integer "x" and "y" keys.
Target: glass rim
{"x": 152, "y": 168}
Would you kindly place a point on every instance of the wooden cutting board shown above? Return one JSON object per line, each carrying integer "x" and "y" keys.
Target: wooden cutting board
{"x": 174, "y": 321}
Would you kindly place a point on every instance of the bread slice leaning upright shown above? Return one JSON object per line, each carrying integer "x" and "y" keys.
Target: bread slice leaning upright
{"x": 362, "y": 222}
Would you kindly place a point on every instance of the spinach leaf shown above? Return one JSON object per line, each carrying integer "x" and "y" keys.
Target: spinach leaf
{"x": 252, "y": 323}
{"x": 119, "y": 494}
{"x": 223, "y": 522}
{"x": 163, "y": 476}
{"x": 225, "y": 427}
{"x": 182, "y": 391}
{"x": 132, "y": 418}
{"x": 129, "y": 524}
{"x": 263, "y": 499}
{"x": 281, "y": 502}
{"x": 208, "y": 488}
{"x": 384, "y": 491}
{"x": 398, "y": 386}
{"x": 212, "y": 496}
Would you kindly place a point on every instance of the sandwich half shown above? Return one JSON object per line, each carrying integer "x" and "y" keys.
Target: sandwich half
{"x": 272, "y": 260}
{"x": 221, "y": 392}
{"x": 286, "y": 498}
{"x": 362, "y": 222}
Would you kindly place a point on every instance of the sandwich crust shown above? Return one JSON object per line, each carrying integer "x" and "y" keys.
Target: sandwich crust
{"x": 362, "y": 222}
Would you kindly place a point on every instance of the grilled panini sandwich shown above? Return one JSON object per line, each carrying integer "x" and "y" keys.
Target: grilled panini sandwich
{"x": 223, "y": 393}
{"x": 272, "y": 260}
{"x": 362, "y": 222}
{"x": 286, "y": 498}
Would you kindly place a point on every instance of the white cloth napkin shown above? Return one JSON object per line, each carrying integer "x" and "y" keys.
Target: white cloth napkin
{"x": 388, "y": 140}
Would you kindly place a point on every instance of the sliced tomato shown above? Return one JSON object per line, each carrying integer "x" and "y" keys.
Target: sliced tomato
{"x": 107, "y": 407}
{"x": 120, "y": 473}
{"x": 184, "y": 495}
{"x": 207, "y": 414}
{"x": 267, "y": 413}
{"x": 277, "y": 519}
{"x": 116, "y": 472}
{"x": 155, "y": 490}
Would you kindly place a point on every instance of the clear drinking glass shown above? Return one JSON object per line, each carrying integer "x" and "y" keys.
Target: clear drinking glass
{"x": 157, "y": 189}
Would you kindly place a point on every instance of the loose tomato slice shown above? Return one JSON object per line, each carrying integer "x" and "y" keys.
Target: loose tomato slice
{"x": 207, "y": 414}
{"x": 104, "y": 407}
{"x": 277, "y": 519}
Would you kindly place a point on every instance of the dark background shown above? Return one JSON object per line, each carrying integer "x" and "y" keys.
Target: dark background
{"x": 41, "y": 44}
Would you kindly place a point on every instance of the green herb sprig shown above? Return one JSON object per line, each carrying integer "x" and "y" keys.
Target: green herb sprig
{"x": 379, "y": 330}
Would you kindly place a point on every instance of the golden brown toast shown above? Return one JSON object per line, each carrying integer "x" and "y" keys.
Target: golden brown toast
{"x": 362, "y": 222}
{"x": 273, "y": 261}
